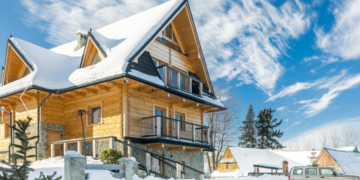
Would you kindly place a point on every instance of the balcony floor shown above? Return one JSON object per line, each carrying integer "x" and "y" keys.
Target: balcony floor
{"x": 170, "y": 142}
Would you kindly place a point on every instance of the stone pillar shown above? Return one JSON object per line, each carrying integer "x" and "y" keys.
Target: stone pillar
{"x": 74, "y": 167}
{"x": 128, "y": 165}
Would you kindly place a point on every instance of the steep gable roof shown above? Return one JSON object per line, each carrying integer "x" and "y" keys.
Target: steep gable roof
{"x": 348, "y": 161}
{"x": 122, "y": 42}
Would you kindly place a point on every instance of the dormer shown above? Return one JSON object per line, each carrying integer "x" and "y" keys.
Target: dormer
{"x": 93, "y": 54}
{"x": 16, "y": 66}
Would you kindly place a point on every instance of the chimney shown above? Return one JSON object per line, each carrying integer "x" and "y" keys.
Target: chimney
{"x": 285, "y": 168}
{"x": 81, "y": 38}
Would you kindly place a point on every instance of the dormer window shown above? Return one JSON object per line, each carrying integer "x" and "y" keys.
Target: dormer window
{"x": 92, "y": 54}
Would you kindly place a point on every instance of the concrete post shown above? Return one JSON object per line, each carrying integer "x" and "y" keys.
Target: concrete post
{"x": 52, "y": 146}
{"x": 94, "y": 148}
{"x": 74, "y": 167}
{"x": 128, "y": 165}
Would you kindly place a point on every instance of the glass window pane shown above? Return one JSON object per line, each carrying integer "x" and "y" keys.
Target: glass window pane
{"x": 182, "y": 82}
{"x": 95, "y": 115}
{"x": 173, "y": 78}
{"x": 297, "y": 171}
{"x": 310, "y": 171}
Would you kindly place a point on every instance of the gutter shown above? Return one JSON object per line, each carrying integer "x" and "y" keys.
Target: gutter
{"x": 38, "y": 125}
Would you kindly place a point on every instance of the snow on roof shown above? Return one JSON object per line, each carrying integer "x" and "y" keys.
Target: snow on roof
{"x": 268, "y": 166}
{"x": 247, "y": 157}
{"x": 301, "y": 157}
{"x": 348, "y": 161}
{"x": 122, "y": 42}
{"x": 227, "y": 160}
{"x": 350, "y": 148}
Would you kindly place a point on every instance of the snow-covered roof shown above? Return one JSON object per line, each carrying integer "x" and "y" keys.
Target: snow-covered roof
{"x": 348, "y": 161}
{"x": 227, "y": 160}
{"x": 268, "y": 166}
{"x": 122, "y": 42}
{"x": 350, "y": 148}
{"x": 248, "y": 157}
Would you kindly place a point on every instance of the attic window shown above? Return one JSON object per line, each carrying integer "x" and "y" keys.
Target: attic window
{"x": 96, "y": 59}
{"x": 169, "y": 38}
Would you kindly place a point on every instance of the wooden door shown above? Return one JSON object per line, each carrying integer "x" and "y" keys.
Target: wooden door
{"x": 52, "y": 137}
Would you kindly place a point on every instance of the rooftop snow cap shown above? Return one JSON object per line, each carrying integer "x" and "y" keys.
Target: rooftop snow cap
{"x": 81, "y": 38}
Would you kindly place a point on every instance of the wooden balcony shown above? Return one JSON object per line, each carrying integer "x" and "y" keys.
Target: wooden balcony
{"x": 179, "y": 80}
{"x": 166, "y": 128}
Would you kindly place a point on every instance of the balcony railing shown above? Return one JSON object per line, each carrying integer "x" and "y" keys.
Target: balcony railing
{"x": 180, "y": 80}
{"x": 163, "y": 127}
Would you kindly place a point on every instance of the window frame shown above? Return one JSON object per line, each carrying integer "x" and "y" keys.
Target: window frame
{"x": 227, "y": 166}
{"x": 307, "y": 171}
{"x": 165, "y": 114}
{"x": 302, "y": 171}
{"x": 89, "y": 116}
{"x": 183, "y": 120}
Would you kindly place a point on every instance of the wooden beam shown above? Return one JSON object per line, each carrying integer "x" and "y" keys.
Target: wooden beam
{"x": 161, "y": 96}
{"x": 14, "y": 99}
{"x": 116, "y": 84}
{"x": 181, "y": 101}
{"x": 191, "y": 105}
{"x": 156, "y": 146}
{"x": 24, "y": 97}
{"x": 177, "y": 148}
{"x": 78, "y": 93}
{"x": 88, "y": 90}
{"x": 69, "y": 96}
{"x": 103, "y": 87}
{"x": 195, "y": 150}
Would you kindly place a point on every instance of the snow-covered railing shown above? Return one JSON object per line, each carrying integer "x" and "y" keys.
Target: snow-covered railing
{"x": 163, "y": 127}
{"x": 180, "y": 80}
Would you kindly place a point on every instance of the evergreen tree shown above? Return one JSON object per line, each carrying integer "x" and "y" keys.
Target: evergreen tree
{"x": 20, "y": 172}
{"x": 267, "y": 132}
{"x": 248, "y": 130}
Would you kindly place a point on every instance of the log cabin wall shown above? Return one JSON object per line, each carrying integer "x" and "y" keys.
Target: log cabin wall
{"x": 143, "y": 104}
{"x": 228, "y": 166}
{"x": 326, "y": 160}
{"x": 110, "y": 103}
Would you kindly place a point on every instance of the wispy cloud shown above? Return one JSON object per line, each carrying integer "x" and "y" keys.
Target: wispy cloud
{"x": 344, "y": 37}
{"x": 317, "y": 131}
{"x": 282, "y": 108}
{"x": 334, "y": 86}
{"x": 244, "y": 40}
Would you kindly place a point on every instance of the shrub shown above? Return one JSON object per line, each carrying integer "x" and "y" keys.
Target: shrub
{"x": 110, "y": 156}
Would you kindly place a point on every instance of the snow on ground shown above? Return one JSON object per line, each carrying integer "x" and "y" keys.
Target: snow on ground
{"x": 264, "y": 177}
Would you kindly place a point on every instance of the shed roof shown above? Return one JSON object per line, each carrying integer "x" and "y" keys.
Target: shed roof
{"x": 348, "y": 161}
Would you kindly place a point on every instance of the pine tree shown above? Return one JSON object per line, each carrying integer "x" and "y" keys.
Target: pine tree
{"x": 20, "y": 172}
{"x": 248, "y": 130}
{"x": 268, "y": 135}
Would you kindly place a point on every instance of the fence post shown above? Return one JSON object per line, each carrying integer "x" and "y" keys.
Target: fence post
{"x": 178, "y": 171}
{"x": 148, "y": 162}
{"x": 94, "y": 148}
{"x": 128, "y": 165}
{"x": 79, "y": 147}
{"x": 74, "y": 167}
{"x": 65, "y": 148}
{"x": 52, "y": 151}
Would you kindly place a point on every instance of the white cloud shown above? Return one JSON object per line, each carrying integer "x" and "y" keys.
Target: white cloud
{"x": 344, "y": 37}
{"x": 262, "y": 31}
{"x": 312, "y": 71}
{"x": 297, "y": 123}
{"x": 287, "y": 120}
{"x": 335, "y": 85}
{"x": 282, "y": 108}
{"x": 317, "y": 131}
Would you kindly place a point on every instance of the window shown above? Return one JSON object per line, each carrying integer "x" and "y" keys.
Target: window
{"x": 158, "y": 112}
{"x": 170, "y": 39}
{"x": 96, "y": 59}
{"x": 297, "y": 171}
{"x": 310, "y": 171}
{"x": 6, "y": 130}
{"x": 180, "y": 117}
{"x": 227, "y": 166}
{"x": 326, "y": 172}
{"x": 95, "y": 115}
{"x": 169, "y": 33}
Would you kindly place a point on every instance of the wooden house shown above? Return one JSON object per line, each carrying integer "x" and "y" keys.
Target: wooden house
{"x": 142, "y": 80}
{"x": 346, "y": 160}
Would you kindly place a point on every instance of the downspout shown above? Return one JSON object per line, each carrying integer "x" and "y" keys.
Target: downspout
{"x": 11, "y": 139}
{"x": 38, "y": 125}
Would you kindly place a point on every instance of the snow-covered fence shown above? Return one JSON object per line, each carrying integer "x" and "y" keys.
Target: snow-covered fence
{"x": 75, "y": 167}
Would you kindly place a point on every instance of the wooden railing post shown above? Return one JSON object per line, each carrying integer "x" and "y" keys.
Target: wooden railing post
{"x": 94, "y": 147}
{"x": 158, "y": 126}
{"x": 65, "y": 148}
{"x": 208, "y": 136}
{"x": 178, "y": 80}
{"x": 190, "y": 85}
{"x": 111, "y": 143}
{"x": 201, "y": 88}
{"x": 165, "y": 74}
{"x": 178, "y": 129}
{"x": 79, "y": 147}
{"x": 52, "y": 150}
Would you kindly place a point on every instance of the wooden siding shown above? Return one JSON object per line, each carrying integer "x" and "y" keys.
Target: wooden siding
{"x": 233, "y": 166}
{"x": 325, "y": 159}
{"x": 90, "y": 52}
{"x": 14, "y": 67}
{"x": 111, "y": 115}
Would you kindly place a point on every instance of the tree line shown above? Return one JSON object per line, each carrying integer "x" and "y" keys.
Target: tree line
{"x": 262, "y": 132}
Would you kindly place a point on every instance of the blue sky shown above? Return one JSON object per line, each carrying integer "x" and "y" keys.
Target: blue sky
{"x": 300, "y": 57}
